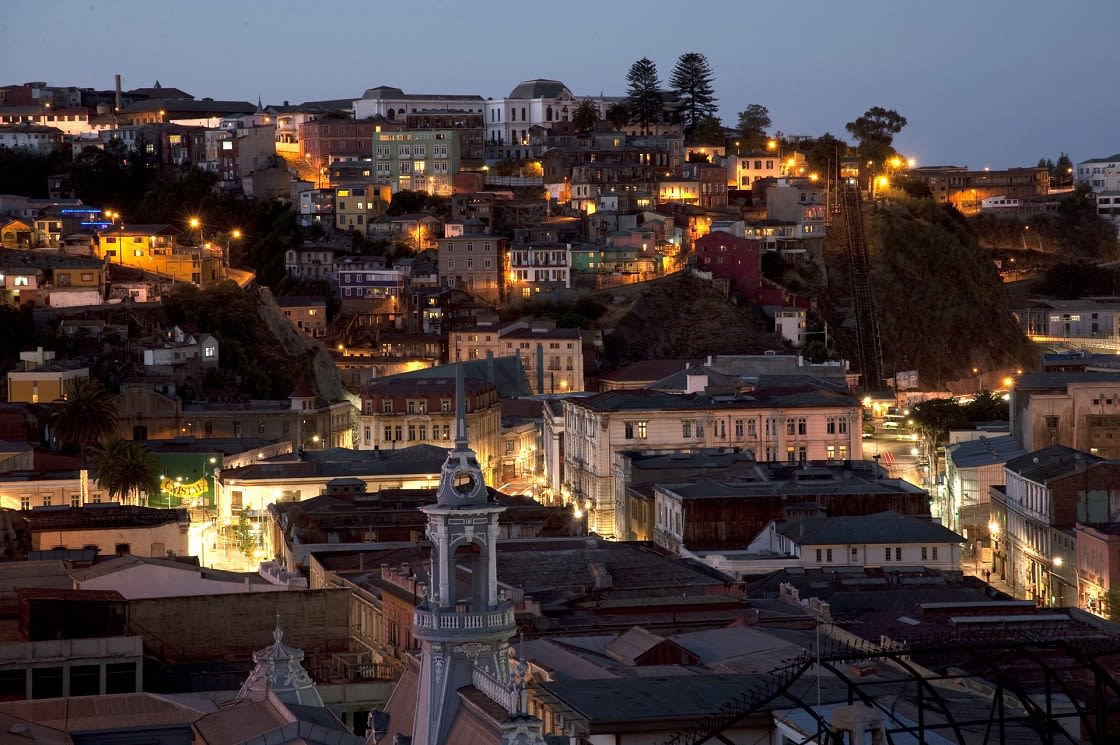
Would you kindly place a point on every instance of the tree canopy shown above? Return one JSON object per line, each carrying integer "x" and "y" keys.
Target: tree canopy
{"x": 709, "y": 131}
{"x": 86, "y": 414}
{"x": 618, "y": 114}
{"x": 875, "y": 131}
{"x": 691, "y": 80}
{"x": 585, "y": 115}
{"x": 753, "y": 123}
{"x": 125, "y": 469}
{"x": 643, "y": 94}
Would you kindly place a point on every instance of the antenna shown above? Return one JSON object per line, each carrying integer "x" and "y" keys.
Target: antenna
{"x": 461, "y": 442}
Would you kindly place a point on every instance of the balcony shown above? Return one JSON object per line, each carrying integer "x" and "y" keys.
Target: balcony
{"x": 500, "y": 619}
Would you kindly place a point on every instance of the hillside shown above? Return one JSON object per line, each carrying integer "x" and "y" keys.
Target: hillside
{"x": 941, "y": 306}
{"x": 681, "y": 316}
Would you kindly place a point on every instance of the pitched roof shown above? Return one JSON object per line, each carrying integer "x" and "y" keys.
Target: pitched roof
{"x": 507, "y": 373}
{"x": 1050, "y": 462}
{"x": 877, "y": 528}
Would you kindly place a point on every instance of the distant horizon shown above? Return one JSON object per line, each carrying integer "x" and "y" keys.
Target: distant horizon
{"x": 1003, "y": 86}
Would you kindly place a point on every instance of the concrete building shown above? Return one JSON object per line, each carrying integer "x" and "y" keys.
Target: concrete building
{"x": 552, "y": 357}
{"x": 797, "y": 423}
{"x": 712, "y": 515}
{"x": 1047, "y": 492}
{"x": 401, "y": 412}
{"x": 417, "y": 160}
{"x": 475, "y": 264}
{"x": 111, "y": 528}
{"x": 538, "y": 268}
{"x": 972, "y": 468}
{"x": 1079, "y": 410}
{"x": 307, "y": 313}
{"x": 38, "y": 379}
{"x": 882, "y": 539}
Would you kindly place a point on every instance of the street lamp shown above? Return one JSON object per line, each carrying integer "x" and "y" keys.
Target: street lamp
{"x": 1055, "y": 592}
{"x": 233, "y": 235}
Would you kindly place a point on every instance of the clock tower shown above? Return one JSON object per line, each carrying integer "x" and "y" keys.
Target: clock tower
{"x": 462, "y": 624}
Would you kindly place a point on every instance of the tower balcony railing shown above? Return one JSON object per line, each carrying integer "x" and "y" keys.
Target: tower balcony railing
{"x": 446, "y": 619}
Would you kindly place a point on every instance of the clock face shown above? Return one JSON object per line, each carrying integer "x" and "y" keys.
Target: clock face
{"x": 465, "y": 484}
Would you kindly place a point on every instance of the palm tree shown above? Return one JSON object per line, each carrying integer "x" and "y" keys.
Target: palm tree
{"x": 125, "y": 469}
{"x": 85, "y": 415}
{"x": 585, "y": 115}
{"x": 618, "y": 115}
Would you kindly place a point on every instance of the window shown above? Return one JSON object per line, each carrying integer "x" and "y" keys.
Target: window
{"x": 801, "y": 426}
{"x": 686, "y": 429}
{"x": 828, "y": 554}
{"x": 924, "y": 552}
{"x": 898, "y": 553}
{"x": 934, "y": 552}
{"x": 636, "y": 430}
{"x": 887, "y": 553}
{"x": 387, "y": 406}
{"x": 445, "y": 405}
{"x": 25, "y": 503}
{"x": 791, "y": 426}
{"x": 818, "y": 556}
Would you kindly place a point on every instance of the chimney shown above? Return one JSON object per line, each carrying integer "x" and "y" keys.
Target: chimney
{"x": 117, "y": 82}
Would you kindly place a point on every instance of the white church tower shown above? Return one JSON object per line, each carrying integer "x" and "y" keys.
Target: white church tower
{"x": 461, "y": 625}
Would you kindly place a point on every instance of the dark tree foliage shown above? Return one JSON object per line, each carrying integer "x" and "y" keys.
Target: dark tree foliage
{"x": 585, "y": 115}
{"x": 929, "y": 266}
{"x": 875, "y": 131}
{"x": 1075, "y": 231}
{"x": 643, "y": 94}
{"x": 17, "y": 334}
{"x": 823, "y": 155}
{"x": 1069, "y": 281}
{"x": 618, "y": 114}
{"x": 26, "y": 173}
{"x": 709, "y": 131}
{"x": 230, "y": 314}
{"x": 406, "y": 202}
{"x": 753, "y": 123}
{"x": 691, "y": 80}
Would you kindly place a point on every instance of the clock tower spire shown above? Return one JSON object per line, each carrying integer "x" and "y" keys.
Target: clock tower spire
{"x": 462, "y": 624}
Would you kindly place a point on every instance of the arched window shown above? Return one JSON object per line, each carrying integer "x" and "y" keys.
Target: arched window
{"x": 548, "y": 114}
{"x": 391, "y": 114}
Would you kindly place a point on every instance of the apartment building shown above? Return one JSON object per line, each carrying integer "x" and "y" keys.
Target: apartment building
{"x": 791, "y": 421}
{"x": 552, "y": 357}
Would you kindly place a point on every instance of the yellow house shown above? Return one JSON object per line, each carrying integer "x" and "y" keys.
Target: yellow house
{"x": 15, "y": 233}
{"x": 39, "y": 379}
{"x": 153, "y": 248}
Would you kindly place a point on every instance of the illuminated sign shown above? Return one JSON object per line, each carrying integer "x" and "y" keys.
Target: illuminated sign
{"x": 182, "y": 491}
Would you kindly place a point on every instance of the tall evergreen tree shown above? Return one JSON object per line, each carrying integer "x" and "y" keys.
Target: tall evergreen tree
{"x": 643, "y": 94}
{"x": 692, "y": 81}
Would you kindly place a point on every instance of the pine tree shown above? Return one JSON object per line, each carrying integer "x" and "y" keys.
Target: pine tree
{"x": 643, "y": 95}
{"x": 692, "y": 81}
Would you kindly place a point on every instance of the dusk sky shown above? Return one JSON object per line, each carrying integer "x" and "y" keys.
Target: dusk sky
{"x": 986, "y": 83}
